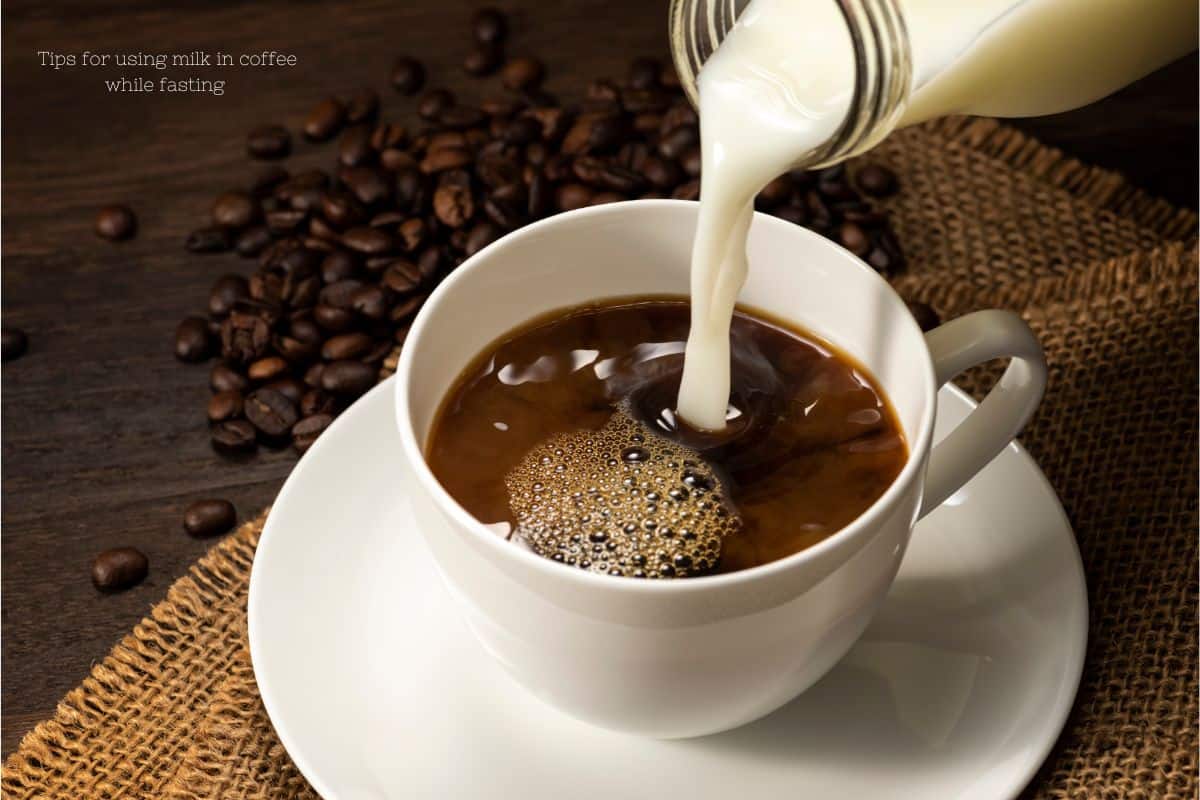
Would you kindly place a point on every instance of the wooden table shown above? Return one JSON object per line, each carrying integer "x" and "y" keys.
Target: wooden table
{"x": 104, "y": 440}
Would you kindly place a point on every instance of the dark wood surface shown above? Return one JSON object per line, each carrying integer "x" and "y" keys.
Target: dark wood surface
{"x": 104, "y": 441}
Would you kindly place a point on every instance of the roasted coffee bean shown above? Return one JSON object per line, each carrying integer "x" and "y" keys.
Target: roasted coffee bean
{"x": 244, "y": 338}
{"x": 205, "y": 518}
{"x": 434, "y": 102}
{"x": 594, "y": 133}
{"x": 408, "y": 75}
{"x": 394, "y": 159}
{"x": 252, "y": 241}
{"x": 378, "y": 352}
{"x": 643, "y": 101}
{"x": 460, "y": 117}
{"x": 315, "y": 401}
{"x": 235, "y": 437}
{"x": 661, "y": 173}
{"x": 679, "y": 114}
{"x": 387, "y": 219}
{"x": 554, "y": 121}
{"x": 412, "y": 233}
{"x": 234, "y": 210}
{"x": 876, "y": 181}
{"x": 348, "y": 378}
{"x": 371, "y": 302}
{"x": 325, "y": 120}
{"x": 508, "y": 206}
{"x": 354, "y": 146}
{"x": 312, "y": 375}
{"x": 484, "y": 59}
{"x": 363, "y": 106}
{"x": 687, "y": 191}
{"x": 445, "y": 158}
{"x": 342, "y": 209}
{"x": 603, "y": 90}
{"x": 644, "y": 72}
{"x": 388, "y": 135}
{"x": 119, "y": 568}
{"x": 340, "y": 294}
{"x": 540, "y": 192}
{"x": 225, "y": 379}
{"x": 431, "y": 261}
{"x": 269, "y": 141}
{"x": 522, "y": 73}
{"x": 410, "y": 190}
{"x": 347, "y": 345}
{"x": 268, "y": 368}
{"x": 446, "y": 139}
{"x": 368, "y": 185}
{"x": 497, "y": 169}
{"x": 224, "y": 406}
{"x": 303, "y": 328}
{"x": 369, "y": 241}
{"x": 854, "y": 238}
{"x": 677, "y": 141}
{"x": 571, "y": 196}
{"x": 600, "y": 198}
{"x": 522, "y": 130}
{"x": 691, "y": 161}
{"x": 192, "y": 340}
{"x": 338, "y": 265}
{"x": 501, "y": 106}
{"x": 227, "y": 291}
{"x": 407, "y": 309}
{"x": 927, "y": 319}
{"x": 306, "y": 431}
{"x": 13, "y": 343}
{"x": 452, "y": 200}
{"x": 607, "y": 175}
{"x": 289, "y": 387}
{"x": 334, "y": 319}
{"x": 115, "y": 223}
{"x": 272, "y": 414}
{"x": 774, "y": 193}
{"x": 402, "y": 276}
{"x": 647, "y": 123}
{"x": 294, "y": 350}
{"x": 208, "y": 240}
{"x": 481, "y": 235}
{"x": 489, "y": 26}
{"x": 792, "y": 213}
{"x": 285, "y": 221}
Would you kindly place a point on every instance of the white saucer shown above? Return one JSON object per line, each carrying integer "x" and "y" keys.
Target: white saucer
{"x": 378, "y": 690}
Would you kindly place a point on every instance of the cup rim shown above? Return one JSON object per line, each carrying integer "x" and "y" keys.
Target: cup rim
{"x": 857, "y": 528}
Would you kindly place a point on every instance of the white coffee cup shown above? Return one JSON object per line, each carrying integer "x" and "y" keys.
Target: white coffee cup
{"x": 700, "y": 655}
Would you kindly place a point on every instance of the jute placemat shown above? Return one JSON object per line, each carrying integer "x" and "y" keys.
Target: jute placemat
{"x": 1106, "y": 276}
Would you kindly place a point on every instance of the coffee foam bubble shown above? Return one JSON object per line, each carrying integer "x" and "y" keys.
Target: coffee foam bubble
{"x": 621, "y": 500}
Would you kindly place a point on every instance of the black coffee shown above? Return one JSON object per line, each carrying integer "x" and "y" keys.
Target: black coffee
{"x": 561, "y": 435}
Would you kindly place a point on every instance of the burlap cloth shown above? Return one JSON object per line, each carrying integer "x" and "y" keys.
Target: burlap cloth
{"x": 1106, "y": 276}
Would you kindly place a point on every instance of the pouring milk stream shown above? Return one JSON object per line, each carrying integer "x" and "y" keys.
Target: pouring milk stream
{"x": 782, "y": 80}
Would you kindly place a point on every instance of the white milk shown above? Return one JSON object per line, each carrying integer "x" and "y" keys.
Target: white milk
{"x": 781, "y": 82}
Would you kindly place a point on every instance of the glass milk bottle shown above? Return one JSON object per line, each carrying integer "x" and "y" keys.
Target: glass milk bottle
{"x": 858, "y": 69}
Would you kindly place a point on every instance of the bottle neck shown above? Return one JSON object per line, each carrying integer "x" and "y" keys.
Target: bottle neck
{"x": 882, "y": 59}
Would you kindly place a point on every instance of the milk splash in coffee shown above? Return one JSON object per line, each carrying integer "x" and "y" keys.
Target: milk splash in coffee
{"x": 781, "y": 83}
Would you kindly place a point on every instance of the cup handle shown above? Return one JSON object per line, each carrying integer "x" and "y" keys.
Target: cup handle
{"x": 963, "y": 343}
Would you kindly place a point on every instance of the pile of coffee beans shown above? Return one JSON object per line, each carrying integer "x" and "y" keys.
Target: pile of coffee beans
{"x": 345, "y": 256}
